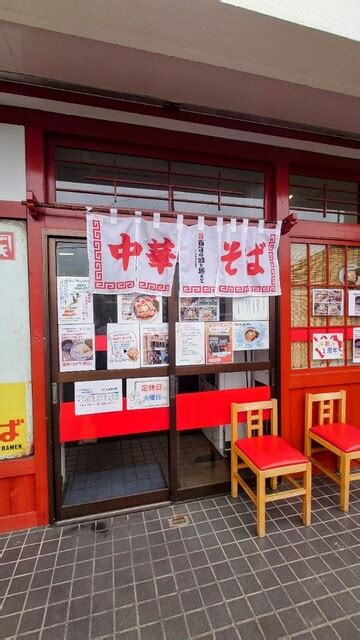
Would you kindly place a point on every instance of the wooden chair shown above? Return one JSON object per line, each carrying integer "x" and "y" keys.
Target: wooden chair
{"x": 268, "y": 456}
{"x": 337, "y": 436}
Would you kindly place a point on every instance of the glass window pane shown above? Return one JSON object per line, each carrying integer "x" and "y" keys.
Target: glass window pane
{"x": 324, "y": 200}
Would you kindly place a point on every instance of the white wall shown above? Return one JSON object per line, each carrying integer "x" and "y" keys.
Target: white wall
{"x": 12, "y": 162}
{"x": 331, "y": 16}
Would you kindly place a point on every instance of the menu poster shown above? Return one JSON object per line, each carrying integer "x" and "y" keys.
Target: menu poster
{"x": 190, "y": 343}
{"x": 154, "y": 344}
{"x": 356, "y": 345}
{"x": 251, "y": 335}
{"x": 328, "y": 346}
{"x": 251, "y": 308}
{"x": 354, "y": 303}
{"x": 77, "y": 347}
{"x": 199, "y": 309}
{"x": 328, "y": 302}
{"x": 219, "y": 342}
{"x": 123, "y": 349}
{"x": 98, "y": 396}
{"x": 139, "y": 308}
{"x": 75, "y": 305}
{"x": 147, "y": 393}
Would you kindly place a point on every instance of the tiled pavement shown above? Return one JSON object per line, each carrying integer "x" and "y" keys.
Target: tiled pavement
{"x": 135, "y": 578}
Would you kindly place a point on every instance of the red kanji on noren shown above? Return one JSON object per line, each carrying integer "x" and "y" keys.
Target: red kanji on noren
{"x": 233, "y": 253}
{"x": 160, "y": 254}
{"x": 125, "y": 250}
{"x": 254, "y": 268}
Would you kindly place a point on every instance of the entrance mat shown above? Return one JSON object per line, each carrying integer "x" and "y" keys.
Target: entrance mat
{"x": 210, "y": 457}
{"x": 92, "y": 486}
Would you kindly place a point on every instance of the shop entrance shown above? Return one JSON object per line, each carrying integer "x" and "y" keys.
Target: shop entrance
{"x": 170, "y": 440}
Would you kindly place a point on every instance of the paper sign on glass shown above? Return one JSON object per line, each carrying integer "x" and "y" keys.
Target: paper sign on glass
{"x": 154, "y": 344}
{"x": 199, "y": 309}
{"x": 190, "y": 343}
{"x": 147, "y": 393}
{"x": 251, "y": 335}
{"x": 328, "y": 302}
{"x": 139, "y": 308}
{"x": 354, "y": 303}
{"x": 328, "y": 346}
{"x": 219, "y": 342}
{"x": 123, "y": 348}
{"x": 77, "y": 347}
{"x": 75, "y": 305}
{"x": 251, "y": 308}
{"x": 356, "y": 345}
{"x": 98, "y": 396}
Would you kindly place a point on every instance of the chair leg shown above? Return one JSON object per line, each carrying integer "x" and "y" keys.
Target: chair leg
{"x": 344, "y": 482}
{"x": 234, "y": 470}
{"x": 306, "y": 509}
{"x": 274, "y": 483}
{"x": 308, "y": 446}
{"x": 260, "y": 504}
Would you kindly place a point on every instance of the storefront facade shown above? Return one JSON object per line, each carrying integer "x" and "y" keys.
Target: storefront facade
{"x": 78, "y": 465}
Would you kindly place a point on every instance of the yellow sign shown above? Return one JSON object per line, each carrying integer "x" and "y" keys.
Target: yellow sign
{"x": 13, "y": 421}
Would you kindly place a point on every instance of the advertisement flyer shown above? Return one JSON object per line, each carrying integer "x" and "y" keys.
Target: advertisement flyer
{"x": 154, "y": 344}
{"x": 328, "y": 346}
{"x": 328, "y": 302}
{"x": 356, "y": 345}
{"x": 123, "y": 348}
{"x": 251, "y": 335}
{"x": 139, "y": 308}
{"x": 219, "y": 342}
{"x": 190, "y": 343}
{"x": 75, "y": 304}
{"x": 199, "y": 309}
{"x": 354, "y": 303}
{"x": 98, "y": 396}
{"x": 250, "y": 308}
{"x": 77, "y": 347}
{"x": 147, "y": 393}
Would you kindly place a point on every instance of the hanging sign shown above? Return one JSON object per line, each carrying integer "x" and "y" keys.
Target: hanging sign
{"x": 157, "y": 259}
{"x": 328, "y": 346}
{"x": 231, "y": 275}
{"x": 128, "y": 255}
{"x": 74, "y": 300}
{"x": 112, "y": 249}
{"x": 198, "y": 260}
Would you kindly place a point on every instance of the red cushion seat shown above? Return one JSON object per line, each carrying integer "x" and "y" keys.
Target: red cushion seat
{"x": 341, "y": 435}
{"x": 269, "y": 452}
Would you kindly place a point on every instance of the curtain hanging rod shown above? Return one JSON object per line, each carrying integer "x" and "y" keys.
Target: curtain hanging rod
{"x": 37, "y": 209}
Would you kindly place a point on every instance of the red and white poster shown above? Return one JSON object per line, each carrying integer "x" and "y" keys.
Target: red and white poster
{"x": 231, "y": 276}
{"x": 113, "y": 247}
{"x": 262, "y": 265}
{"x": 198, "y": 260}
{"x": 157, "y": 259}
{"x": 328, "y": 346}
